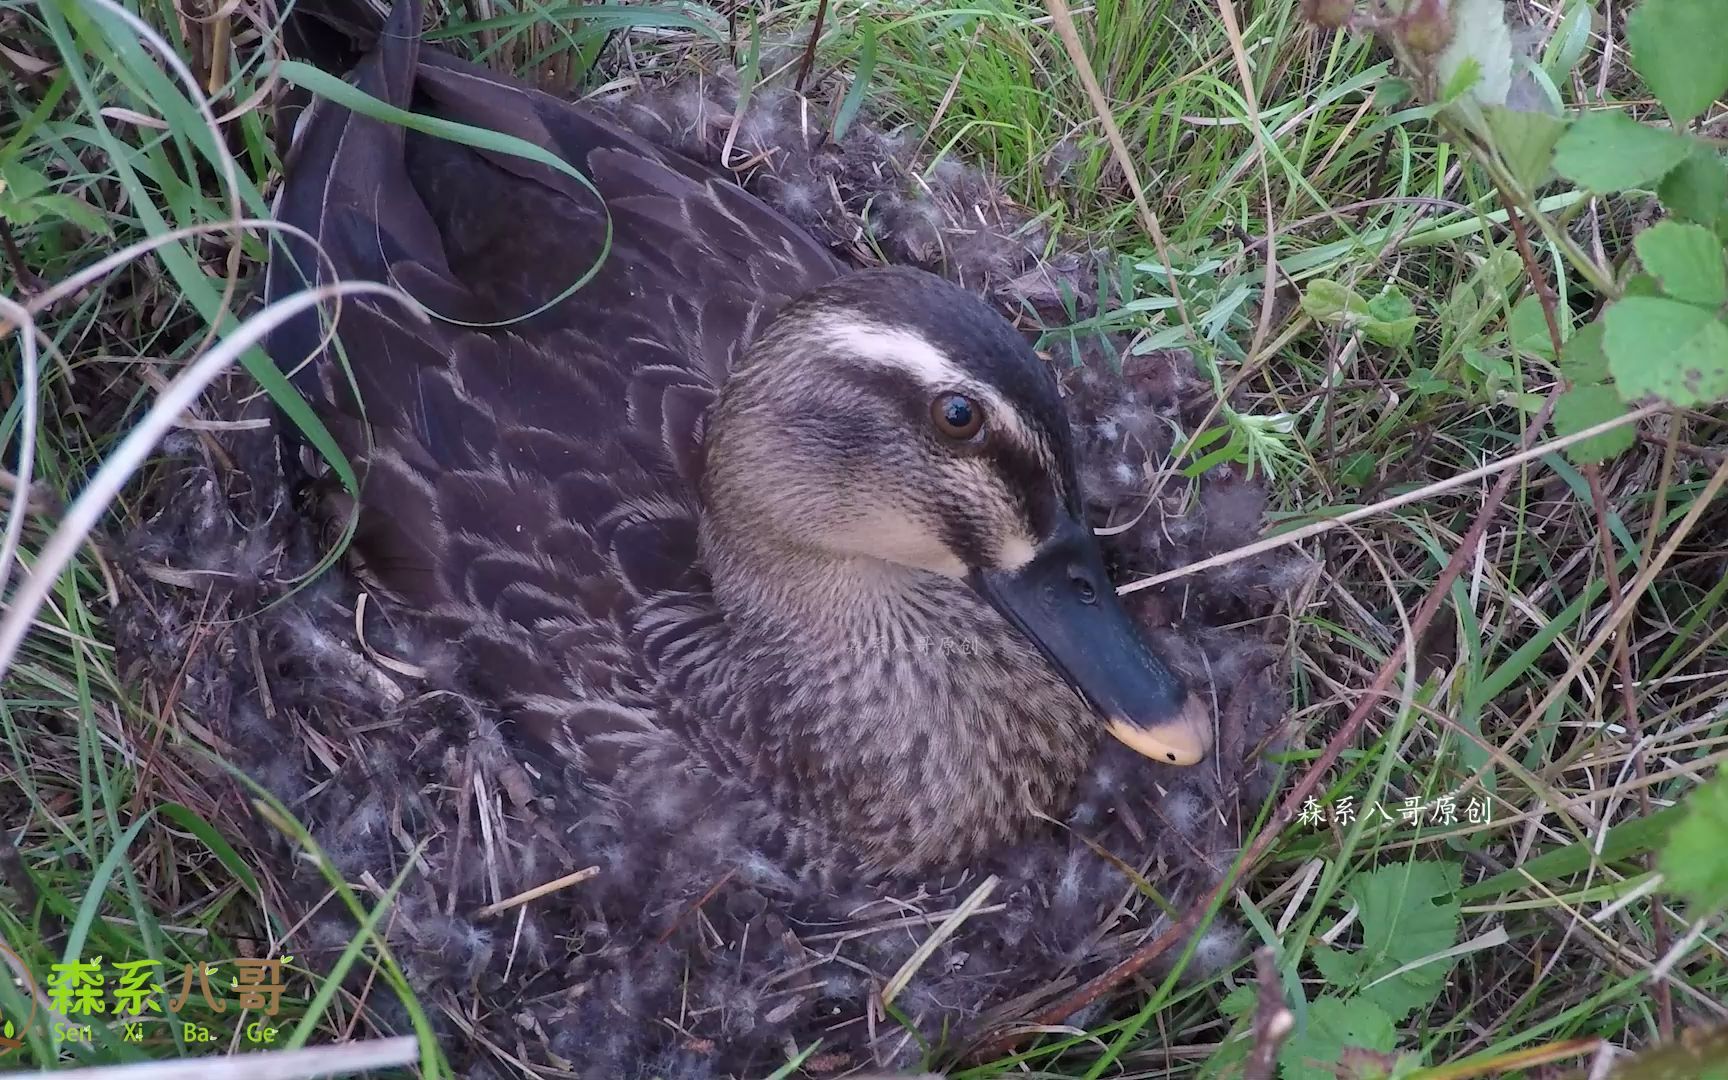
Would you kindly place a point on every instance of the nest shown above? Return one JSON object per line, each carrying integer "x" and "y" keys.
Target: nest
{"x": 673, "y": 960}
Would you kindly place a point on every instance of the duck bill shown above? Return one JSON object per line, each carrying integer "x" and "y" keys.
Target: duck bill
{"x": 1062, "y": 600}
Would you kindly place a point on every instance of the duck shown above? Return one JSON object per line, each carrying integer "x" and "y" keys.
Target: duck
{"x": 727, "y": 514}
{"x": 763, "y": 584}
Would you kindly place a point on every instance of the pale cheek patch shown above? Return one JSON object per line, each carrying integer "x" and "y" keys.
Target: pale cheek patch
{"x": 897, "y": 538}
{"x": 1016, "y": 551}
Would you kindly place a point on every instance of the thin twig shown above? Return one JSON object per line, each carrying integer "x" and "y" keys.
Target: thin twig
{"x": 968, "y": 907}
{"x": 1272, "y": 543}
{"x": 537, "y": 892}
{"x": 810, "y": 48}
{"x": 28, "y": 282}
{"x": 1273, "y": 1019}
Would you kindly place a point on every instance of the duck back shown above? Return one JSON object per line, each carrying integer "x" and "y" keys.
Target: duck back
{"x": 529, "y": 453}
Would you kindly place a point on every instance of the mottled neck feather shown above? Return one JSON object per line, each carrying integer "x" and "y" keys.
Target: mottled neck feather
{"x": 914, "y": 721}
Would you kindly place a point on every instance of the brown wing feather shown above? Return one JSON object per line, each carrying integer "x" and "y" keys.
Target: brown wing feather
{"x": 531, "y": 487}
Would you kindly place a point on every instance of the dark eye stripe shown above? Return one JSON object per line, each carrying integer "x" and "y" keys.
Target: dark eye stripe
{"x": 1024, "y": 471}
{"x": 907, "y": 393}
{"x": 1027, "y": 478}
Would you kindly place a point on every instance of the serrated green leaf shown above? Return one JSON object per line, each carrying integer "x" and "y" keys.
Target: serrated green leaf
{"x": 1240, "y": 1001}
{"x": 1525, "y": 142}
{"x": 1698, "y": 189}
{"x": 1680, "y": 47}
{"x": 1584, "y": 407}
{"x": 1695, "y": 861}
{"x": 1686, "y": 259}
{"x": 1466, "y": 75}
{"x": 1342, "y": 970}
{"x": 1334, "y": 1024}
{"x": 1666, "y": 348}
{"x": 1609, "y": 151}
{"x": 1479, "y": 36}
{"x": 1407, "y": 914}
{"x": 1584, "y": 362}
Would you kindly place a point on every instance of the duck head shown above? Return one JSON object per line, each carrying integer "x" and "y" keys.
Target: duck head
{"x": 893, "y": 430}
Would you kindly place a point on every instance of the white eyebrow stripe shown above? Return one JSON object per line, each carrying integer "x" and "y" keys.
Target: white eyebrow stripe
{"x": 903, "y": 350}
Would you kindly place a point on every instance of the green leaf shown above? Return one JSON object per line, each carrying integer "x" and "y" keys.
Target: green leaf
{"x": 854, "y": 98}
{"x": 1479, "y": 36}
{"x": 220, "y": 847}
{"x": 20, "y": 181}
{"x": 1358, "y": 468}
{"x": 1466, "y": 75}
{"x": 1584, "y": 362}
{"x": 1496, "y": 371}
{"x": 1390, "y": 305}
{"x": 1342, "y": 970}
{"x": 1388, "y": 319}
{"x": 1528, "y": 328}
{"x": 1609, "y": 151}
{"x": 1407, "y": 914}
{"x": 1391, "y": 93}
{"x": 1681, "y": 49}
{"x": 1687, "y": 260}
{"x": 1423, "y": 382}
{"x": 1630, "y": 838}
{"x": 1391, "y": 318}
{"x": 1667, "y": 348}
{"x": 1326, "y": 300}
{"x": 1395, "y": 334}
{"x": 69, "y": 208}
{"x": 1525, "y": 142}
{"x": 1695, "y": 861}
{"x": 1643, "y": 285}
{"x": 1584, "y": 407}
{"x": 1334, "y": 1024}
{"x": 1567, "y": 46}
{"x": 1240, "y": 1001}
{"x": 1698, "y": 189}
{"x": 1461, "y": 306}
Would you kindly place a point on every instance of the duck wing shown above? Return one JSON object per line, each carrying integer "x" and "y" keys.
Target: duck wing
{"x": 529, "y": 483}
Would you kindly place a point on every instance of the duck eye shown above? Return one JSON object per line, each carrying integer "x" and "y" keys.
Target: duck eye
{"x": 957, "y": 416}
